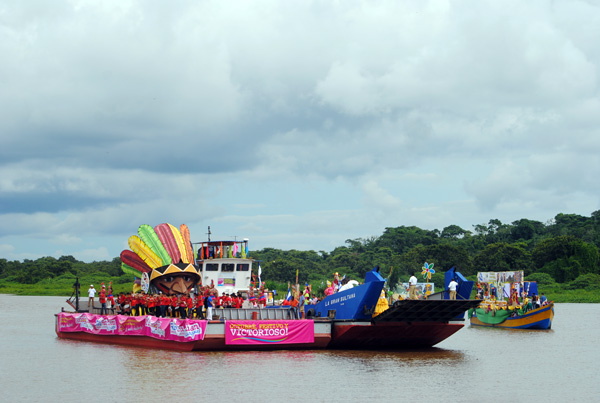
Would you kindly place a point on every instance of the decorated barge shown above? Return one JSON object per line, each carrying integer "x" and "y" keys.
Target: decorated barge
{"x": 343, "y": 320}
{"x": 509, "y": 302}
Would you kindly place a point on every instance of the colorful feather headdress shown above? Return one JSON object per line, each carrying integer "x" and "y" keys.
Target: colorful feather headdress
{"x": 159, "y": 251}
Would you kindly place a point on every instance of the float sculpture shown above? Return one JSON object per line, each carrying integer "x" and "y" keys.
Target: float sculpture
{"x": 164, "y": 255}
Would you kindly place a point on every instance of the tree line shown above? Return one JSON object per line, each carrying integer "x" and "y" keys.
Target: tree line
{"x": 560, "y": 250}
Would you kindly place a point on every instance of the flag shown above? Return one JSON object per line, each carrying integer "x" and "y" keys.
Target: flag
{"x": 288, "y": 297}
{"x": 259, "y": 273}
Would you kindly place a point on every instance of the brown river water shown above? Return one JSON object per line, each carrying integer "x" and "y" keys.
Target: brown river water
{"x": 474, "y": 365}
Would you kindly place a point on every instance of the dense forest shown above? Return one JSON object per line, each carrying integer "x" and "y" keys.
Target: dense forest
{"x": 563, "y": 250}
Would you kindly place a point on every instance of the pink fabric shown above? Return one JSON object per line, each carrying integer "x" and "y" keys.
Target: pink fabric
{"x": 159, "y": 328}
{"x": 269, "y": 331}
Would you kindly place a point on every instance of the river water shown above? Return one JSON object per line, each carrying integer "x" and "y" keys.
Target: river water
{"x": 474, "y": 365}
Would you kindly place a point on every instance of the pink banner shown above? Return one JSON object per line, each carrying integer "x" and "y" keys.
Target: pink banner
{"x": 269, "y": 331}
{"x": 182, "y": 330}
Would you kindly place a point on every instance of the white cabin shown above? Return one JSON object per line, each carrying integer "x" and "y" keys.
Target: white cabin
{"x": 225, "y": 264}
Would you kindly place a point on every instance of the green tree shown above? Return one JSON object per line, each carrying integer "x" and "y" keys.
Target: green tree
{"x": 566, "y": 257}
{"x": 454, "y": 232}
{"x": 504, "y": 257}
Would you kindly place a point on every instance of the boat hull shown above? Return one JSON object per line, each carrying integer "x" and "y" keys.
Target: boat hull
{"x": 329, "y": 334}
{"x": 391, "y": 335}
{"x": 540, "y": 318}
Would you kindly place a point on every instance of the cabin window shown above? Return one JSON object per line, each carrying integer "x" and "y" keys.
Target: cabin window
{"x": 227, "y": 267}
{"x": 211, "y": 267}
{"x": 243, "y": 267}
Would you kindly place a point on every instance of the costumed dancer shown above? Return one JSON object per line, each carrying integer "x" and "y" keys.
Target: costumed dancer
{"x": 329, "y": 289}
{"x": 336, "y": 282}
{"x": 382, "y": 304}
{"x": 110, "y": 296}
{"x": 262, "y": 298}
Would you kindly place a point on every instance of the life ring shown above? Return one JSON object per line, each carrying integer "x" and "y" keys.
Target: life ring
{"x": 310, "y": 313}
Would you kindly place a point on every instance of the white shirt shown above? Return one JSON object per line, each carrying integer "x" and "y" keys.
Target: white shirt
{"x": 452, "y": 285}
{"x": 412, "y": 280}
{"x": 92, "y": 292}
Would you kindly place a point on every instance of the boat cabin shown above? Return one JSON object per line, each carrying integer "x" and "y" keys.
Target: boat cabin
{"x": 226, "y": 264}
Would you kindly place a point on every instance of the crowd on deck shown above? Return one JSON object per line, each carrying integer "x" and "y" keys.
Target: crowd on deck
{"x": 200, "y": 304}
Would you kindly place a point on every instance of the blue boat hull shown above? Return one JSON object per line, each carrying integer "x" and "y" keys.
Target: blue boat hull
{"x": 357, "y": 303}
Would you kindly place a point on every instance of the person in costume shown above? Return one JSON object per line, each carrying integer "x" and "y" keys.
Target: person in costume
{"x": 336, "y": 282}
{"x": 301, "y": 303}
{"x": 329, "y": 289}
{"x": 262, "y": 296}
{"x": 110, "y": 296}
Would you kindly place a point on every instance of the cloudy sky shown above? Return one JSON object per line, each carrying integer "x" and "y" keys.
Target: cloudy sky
{"x": 296, "y": 124}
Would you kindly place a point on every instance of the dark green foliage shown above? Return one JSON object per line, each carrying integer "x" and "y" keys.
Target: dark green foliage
{"x": 587, "y": 281}
{"x": 504, "y": 257}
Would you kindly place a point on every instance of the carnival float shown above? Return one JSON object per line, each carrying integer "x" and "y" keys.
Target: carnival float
{"x": 165, "y": 261}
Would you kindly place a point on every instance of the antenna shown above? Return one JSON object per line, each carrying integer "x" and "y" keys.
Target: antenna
{"x": 208, "y": 233}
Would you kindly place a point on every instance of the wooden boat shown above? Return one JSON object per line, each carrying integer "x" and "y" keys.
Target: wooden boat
{"x": 539, "y": 318}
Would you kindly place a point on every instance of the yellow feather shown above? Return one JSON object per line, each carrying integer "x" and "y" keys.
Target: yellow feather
{"x": 143, "y": 251}
{"x": 180, "y": 244}
{"x": 185, "y": 234}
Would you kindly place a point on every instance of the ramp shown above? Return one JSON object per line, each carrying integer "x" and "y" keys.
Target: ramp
{"x": 426, "y": 310}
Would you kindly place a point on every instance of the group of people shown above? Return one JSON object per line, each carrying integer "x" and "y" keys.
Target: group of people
{"x": 200, "y": 305}
{"x": 298, "y": 305}
{"x": 104, "y": 297}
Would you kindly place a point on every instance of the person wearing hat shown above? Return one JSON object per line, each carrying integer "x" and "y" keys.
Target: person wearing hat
{"x": 91, "y": 295}
{"x": 412, "y": 286}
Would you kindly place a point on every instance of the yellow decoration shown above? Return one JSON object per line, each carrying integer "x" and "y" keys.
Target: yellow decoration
{"x": 143, "y": 251}
{"x": 180, "y": 245}
{"x": 382, "y": 304}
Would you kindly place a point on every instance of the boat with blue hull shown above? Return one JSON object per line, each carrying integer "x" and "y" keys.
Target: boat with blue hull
{"x": 415, "y": 323}
{"x": 357, "y": 303}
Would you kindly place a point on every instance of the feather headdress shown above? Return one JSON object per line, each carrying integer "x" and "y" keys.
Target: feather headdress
{"x": 159, "y": 251}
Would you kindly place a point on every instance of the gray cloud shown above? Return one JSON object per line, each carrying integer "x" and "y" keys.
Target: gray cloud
{"x": 289, "y": 120}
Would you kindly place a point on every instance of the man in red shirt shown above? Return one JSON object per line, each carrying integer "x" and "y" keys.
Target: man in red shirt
{"x": 226, "y": 301}
{"x": 294, "y": 304}
{"x": 189, "y": 303}
{"x": 103, "y": 310}
{"x": 173, "y": 306}
{"x": 164, "y": 304}
{"x": 198, "y": 305}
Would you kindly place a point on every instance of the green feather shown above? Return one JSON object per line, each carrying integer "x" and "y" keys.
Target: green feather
{"x": 148, "y": 235}
{"x": 130, "y": 270}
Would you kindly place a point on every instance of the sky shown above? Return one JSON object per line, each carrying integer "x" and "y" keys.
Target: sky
{"x": 295, "y": 124}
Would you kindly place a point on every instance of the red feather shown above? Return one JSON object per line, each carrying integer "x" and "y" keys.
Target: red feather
{"x": 131, "y": 259}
